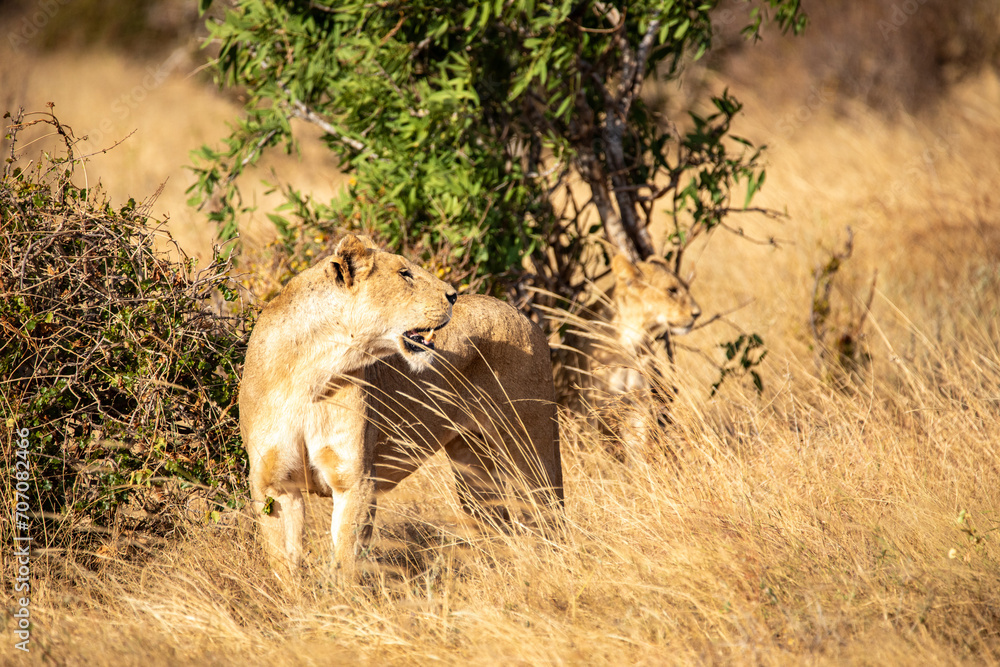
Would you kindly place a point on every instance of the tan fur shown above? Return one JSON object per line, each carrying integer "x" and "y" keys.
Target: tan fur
{"x": 334, "y": 402}
{"x": 614, "y": 353}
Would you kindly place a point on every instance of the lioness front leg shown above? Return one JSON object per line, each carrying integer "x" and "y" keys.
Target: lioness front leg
{"x": 352, "y": 487}
{"x": 341, "y": 441}
{"x": 352, "y": 523}
{"x": 280, "y": 514}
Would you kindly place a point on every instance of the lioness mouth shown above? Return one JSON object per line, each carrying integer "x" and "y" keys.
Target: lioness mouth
{"x": 419, "y": 340}
{"x": 675, "y": 331}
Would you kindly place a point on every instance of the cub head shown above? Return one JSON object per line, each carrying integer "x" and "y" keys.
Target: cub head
{"x": 387, "y": 303}
{"x": 650, "y": 297}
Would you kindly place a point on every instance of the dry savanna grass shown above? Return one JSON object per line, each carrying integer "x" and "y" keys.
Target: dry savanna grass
{"x": 843, "y": 516}
{"x": 813, "y": 525}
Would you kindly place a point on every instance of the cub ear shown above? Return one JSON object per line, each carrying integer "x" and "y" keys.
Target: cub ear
{"x": 625, "y": 271}
{"x": 352, "y": 260}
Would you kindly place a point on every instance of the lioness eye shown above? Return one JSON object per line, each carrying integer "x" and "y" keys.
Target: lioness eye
{"x": 673, "y": 291}
{"x": 406, "y": 273}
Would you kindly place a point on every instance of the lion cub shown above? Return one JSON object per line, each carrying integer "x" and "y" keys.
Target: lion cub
{"x": 613, "y": 352}
{"x": 362, "y": 367}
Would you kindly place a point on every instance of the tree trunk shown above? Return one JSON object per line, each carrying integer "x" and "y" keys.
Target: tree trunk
{"x": 612, "y": 133}
{"x": 593, "y": 173}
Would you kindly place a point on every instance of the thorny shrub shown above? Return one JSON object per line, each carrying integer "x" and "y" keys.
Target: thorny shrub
{"x": 112, "y": 355}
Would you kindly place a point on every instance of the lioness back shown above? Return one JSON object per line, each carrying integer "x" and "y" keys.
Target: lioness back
{"x": 491, "y": 380}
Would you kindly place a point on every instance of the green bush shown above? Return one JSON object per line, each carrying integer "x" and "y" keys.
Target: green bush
{"x": 111, "y": 355}
{"x": 466, "y": 124}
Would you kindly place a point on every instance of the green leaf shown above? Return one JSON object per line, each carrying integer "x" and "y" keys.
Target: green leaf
{"x": 754, "y": 183}
{"x": 682, "y": 29}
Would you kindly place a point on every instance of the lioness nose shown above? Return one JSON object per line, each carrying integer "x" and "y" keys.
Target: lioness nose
{"x": 452, "y": 296}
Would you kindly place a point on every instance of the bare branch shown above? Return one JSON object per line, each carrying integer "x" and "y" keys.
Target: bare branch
{"x": 722, "y": 316}
{"x": 298, "y": 109}
{"x": 634, "y": 67}
{"x": 106, "y": 149}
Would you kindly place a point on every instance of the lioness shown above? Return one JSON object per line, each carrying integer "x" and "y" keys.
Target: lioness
{"x": 362, "y": 367}
{"x": 613, "y": 351}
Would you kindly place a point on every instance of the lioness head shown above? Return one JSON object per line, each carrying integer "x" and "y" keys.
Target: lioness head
{"x": 651, "y": 298}
{"x": 386, "y": 303}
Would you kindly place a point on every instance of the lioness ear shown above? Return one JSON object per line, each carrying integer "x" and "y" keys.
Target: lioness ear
{"x": 367, "y": 242}
{"x": 625, "y": 271}
{"x": 352, "y": 260}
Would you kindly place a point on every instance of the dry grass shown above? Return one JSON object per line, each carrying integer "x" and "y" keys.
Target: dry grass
{"x": 807, "y": 525}
{"x": 811, "y": 526}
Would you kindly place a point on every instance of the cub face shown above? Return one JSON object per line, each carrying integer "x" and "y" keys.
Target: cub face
{"x": 650, "y": 297}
